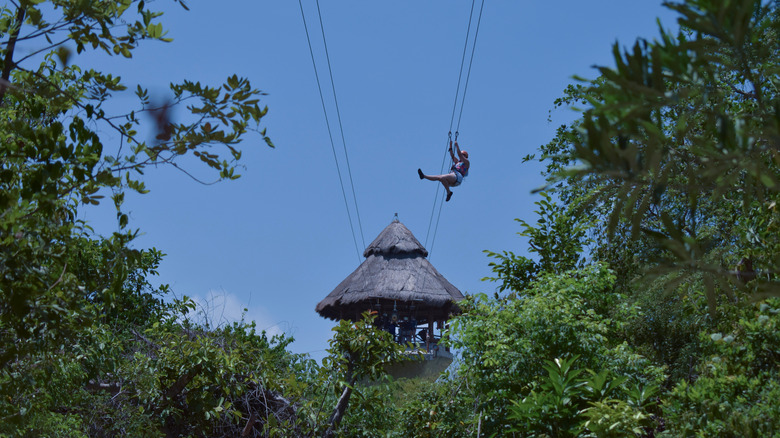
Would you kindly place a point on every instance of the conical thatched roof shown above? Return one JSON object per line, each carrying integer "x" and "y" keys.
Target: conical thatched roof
{"x": 395, "y": 274}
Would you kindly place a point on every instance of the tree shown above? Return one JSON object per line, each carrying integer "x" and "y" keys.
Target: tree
{"x": 508, "y": 348}
{"x": 57, "y": 278}
{"x": 53, "y": 159}
{"x": 358, "y": 351}
{"x": 679, "y": 143}
{"x": 675, "y": 155}
{"x": 559, "y": 238}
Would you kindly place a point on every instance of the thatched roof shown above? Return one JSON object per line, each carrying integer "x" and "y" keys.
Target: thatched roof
{"x": 394, "y": 274}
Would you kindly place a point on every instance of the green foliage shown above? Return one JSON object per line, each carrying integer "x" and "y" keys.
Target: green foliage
{"x": 87, "y": 346}
{"x": 504, "y": 344}
{"x": 675, "y": 158}
{"x": 358, "y": 351}
{"x": 409, "y": 407}
{"x": 361, "y": 350}
{"x": 513, "y": 272}
{"x": 678, "y": 142}
{"x": 373, "y": 412}
{"x": 736, "y": 392}
{"x": 558, "y": 238}
{"x": 566, "y": 405}
{"x": 56, "y": 425}
{"x": 616, "y": 418}
{"x": 435, "y": 409}
{"x": 553, "y": 409}
{"x": 52, "y": 158}
{"x": 145, "y": 371}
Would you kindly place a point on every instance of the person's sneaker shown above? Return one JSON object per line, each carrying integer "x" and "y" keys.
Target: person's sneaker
{"x": 419, "y": 172}
{"x": 449, "y": 195}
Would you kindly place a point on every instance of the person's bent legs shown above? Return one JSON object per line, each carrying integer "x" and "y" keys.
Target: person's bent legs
{"x": 446, "y": 180}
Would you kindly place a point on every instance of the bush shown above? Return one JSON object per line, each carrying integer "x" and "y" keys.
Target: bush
{"x": 505, "y": 344}
{"x": 737, "y": 391}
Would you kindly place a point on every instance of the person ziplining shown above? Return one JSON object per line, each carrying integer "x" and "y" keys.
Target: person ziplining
{"x": 458, "y": 171}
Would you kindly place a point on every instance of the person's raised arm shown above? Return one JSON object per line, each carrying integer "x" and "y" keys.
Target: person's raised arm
{"x": 460, "y": 155}
{"x": 454, "y": 158}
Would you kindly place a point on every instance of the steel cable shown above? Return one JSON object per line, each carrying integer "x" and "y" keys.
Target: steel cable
{"x": 330, "y": 134}
{"x": 452, "y": 117}
{"x": 341, "y": 127}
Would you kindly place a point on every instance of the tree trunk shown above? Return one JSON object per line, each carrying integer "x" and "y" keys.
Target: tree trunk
{"x": 341, "y": 406}
{"x": 8, "y": 62}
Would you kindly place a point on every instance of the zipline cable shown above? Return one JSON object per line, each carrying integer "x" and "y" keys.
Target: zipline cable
{"x": 462, "y": 102}
{"x": 468, "y": 75}
{"x": 433, "y": 208}
{"x": 460, "y": 115}
{"x": 330, "y": 135}
{"x": 341, "y": 127}
{"x": 452, "y": 118}
{"x": 462, "y": 62}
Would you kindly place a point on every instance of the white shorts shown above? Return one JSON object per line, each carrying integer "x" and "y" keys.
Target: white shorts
{"x": 458, "y": 178}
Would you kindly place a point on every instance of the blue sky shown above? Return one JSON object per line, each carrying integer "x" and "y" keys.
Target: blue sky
{"x": 278, "y": 240}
